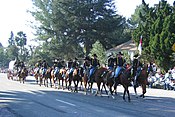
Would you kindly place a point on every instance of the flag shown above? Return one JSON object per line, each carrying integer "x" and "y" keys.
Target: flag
{"x": 140, "y": 46}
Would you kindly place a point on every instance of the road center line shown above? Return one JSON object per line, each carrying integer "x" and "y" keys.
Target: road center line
{"x": 65, "y": 102}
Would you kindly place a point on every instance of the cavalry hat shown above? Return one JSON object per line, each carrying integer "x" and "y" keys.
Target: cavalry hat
{"x": 94, "y": 55}
{"x": 136, "y": 55}
{"x": 111, "y": 54}
{"x": 76, "y": 58}
{"x": 86, "y": 58}
{"x": 119, "y": 53}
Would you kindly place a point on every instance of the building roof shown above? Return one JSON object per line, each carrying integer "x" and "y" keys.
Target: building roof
{"x": 127, "y": 46}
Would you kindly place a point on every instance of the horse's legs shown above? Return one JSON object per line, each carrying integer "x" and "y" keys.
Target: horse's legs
{"x": 53, "y": 81}
{"x": 124, "y": 94}
{"x": 98, "y": 89}
{"x": 23, "y": 79}
{"x": 115, "y": 89}
{"x": 76, "y": 85}
{"x": 126, "y": 90}
{"x": 105, "y": 88}
{"x": 143, "y": 91}
{"x": 135, "y": 90}
{"x": 58, "y": 81}
{"x": 129, "y": 99}
{"x": 70, "y": 82}
{"x": 41, "y": 79}
{"x": 20, "y": 79}
{"x": 90, "y": 86}
{"x": 81, "y": 85}
{"x": 62, "y": 82}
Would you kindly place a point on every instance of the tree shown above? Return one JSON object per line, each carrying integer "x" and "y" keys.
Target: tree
{"x": 100, "y": 51}
{"x": 72, "y": 23}
{"x": 21, "y": 41}
{"x": 11, "y": 40}
{"x": 158, "y": 33}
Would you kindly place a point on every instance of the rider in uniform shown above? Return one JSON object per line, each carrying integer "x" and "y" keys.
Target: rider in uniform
{"x": 137, "y": 67}
{"x": 57, "y": 66}
{"x": 21, "y": 66}
{"x": 111, "y": 62}
{"x": 86, "y": 64}
{"x": 44, "y": 66}
{"x": 135, "y": 64}
{"x": 94, "y": 65}
{"x": 119, "y": 64}
{"x": 73, "y": 66}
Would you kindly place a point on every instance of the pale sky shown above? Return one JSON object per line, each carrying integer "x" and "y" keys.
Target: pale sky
{"x": 15, "y": 18}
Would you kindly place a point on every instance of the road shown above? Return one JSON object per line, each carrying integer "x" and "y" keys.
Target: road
{"x": 31, "y": 100}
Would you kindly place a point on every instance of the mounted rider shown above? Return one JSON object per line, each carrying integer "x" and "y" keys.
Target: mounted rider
{"x": 86, "y": 65}
{"x": 21, "y": 65}
{"x": 94, "y": 65}
{"x": 38, "y": 66}
{"x": 57, "y": 66}
{"x": 137, "y": 68}
{"x": 111, "y": 62}
{"x": 74, "y": 65}
{"x": 119, "y": 64}
{"x": 17, "y": 64}
{"x": 44, "y": 67}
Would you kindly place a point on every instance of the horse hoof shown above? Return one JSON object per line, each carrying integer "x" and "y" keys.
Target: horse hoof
{"x": 113, "y": 97}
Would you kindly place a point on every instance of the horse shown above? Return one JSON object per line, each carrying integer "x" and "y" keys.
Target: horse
{"x": 44, "y": 75}
{"x": 47, "y": 76}
{"x": 68, "y": 79}
{"x": 36, "y": 74}
{"x": 98, "y": 78}
{"x": 22, "y": 75}
{"x": 125, "y": 80}
{"x": 10, "y": 74}
{"x": 76, "y": 78}
{"x": 109, "y": 81}
{"x": 85, "y": 79}
{"x": 142, "y": 80}
{"x": 58, "y": 77}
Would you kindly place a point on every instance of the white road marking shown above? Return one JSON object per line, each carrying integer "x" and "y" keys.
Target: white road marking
{"x": 65, "y": 102}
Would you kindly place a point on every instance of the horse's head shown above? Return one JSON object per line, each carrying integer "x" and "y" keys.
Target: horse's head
{"x": 144, "y": 72}
{"x": 127, "y": 72}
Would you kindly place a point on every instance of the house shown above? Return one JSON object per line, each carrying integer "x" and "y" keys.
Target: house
{"x": 129, "y": 47}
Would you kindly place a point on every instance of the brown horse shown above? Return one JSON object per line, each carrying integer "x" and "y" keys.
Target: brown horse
{"x": 98, "y": 78}
{"x": 68, "y": 79}
{"x": 125, "y": 80}
{"x": 142, "y": 80}
{"x": 76, "y": 78}
{"x": 47, "y": 76}
{"x": 85, "y": 80}
{"x": 109, "y": 81}
{"x": 10, "y": 74}
{"x": 22, "y": 75}
{"x": 36, "y": 74}
{"x": 59, "y": 78}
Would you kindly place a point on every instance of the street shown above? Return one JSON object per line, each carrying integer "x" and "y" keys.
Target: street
{"x": 31, "y": 100}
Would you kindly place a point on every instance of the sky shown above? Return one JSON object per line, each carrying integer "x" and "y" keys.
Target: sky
{"x": 13, "y": 16}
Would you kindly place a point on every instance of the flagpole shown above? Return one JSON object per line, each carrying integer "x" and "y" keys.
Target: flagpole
{"x": 140, "y": 45}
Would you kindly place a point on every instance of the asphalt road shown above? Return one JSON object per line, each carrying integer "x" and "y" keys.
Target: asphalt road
{"x": 31, "y": 100}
